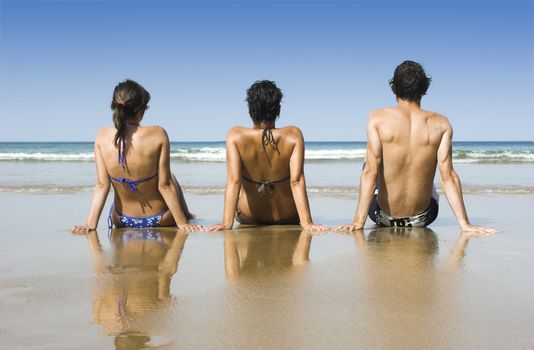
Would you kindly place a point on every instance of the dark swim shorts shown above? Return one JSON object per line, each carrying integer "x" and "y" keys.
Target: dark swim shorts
{"x": 423, "y": 219}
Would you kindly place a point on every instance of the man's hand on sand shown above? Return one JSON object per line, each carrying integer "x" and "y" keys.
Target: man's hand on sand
{"x": 474, "y": 231}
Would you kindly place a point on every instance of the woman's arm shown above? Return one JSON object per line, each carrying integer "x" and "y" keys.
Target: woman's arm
{"x": 100, "y": 193}
{"x": 298, "y": 185}
{"x": 233, "y": 183}
{"x": 167, "y": 188}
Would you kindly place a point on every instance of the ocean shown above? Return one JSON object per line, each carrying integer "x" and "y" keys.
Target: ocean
{"x": 332, "y": 168}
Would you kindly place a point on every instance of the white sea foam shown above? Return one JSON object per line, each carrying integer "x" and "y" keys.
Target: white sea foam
{"x": 39, "y": 156}
{"x": 218, "y": 154}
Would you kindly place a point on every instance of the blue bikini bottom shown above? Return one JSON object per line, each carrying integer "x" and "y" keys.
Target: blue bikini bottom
{"x": 135, "y": 221}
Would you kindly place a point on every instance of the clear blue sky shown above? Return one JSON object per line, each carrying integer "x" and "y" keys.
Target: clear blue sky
{"x": 59, "y": 63}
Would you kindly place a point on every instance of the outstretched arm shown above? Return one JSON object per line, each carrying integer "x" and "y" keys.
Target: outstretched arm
{"x": 100, "y": 194}
{"x": 298, "y": 186}
{"x": 168, "y": 190}
{"x": 452, "y": 186}
{"x": 233, "y": 184}
{"x": 373, "y": 162}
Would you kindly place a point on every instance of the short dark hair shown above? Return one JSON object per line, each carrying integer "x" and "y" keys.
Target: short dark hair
{"x": 263, "y": 99}
{"x": 409, "y": 81}
{"x": 129, "y": 97}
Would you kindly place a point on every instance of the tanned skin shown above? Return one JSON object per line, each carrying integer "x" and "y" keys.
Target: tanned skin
{"x": 148, "y": 153}
{"x": 405, "y": 144}
{"x": 244, "y": 157}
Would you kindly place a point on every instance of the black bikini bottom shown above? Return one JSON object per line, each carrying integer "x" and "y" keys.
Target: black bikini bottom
{"x": 242, "y": 219}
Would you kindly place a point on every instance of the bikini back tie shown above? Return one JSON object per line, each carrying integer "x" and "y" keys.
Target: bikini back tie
{"x": 267, "y": 139}
{"x": 265, "y": 184}
{"x": 131, "y": 183}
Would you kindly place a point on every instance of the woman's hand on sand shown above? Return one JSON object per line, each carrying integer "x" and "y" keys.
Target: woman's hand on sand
{"x": 82, "y": 230}
{"x": 217, "y": 227}
{"x": 315, "y": 228}
{"x": 349, "y": 227}
{"x": 474, "y": 231}
{"x": 190, "y": 227}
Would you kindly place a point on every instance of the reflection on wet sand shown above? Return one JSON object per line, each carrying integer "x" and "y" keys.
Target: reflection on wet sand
{"x": 384, "y": 289}
{"x": 252, "y": 251}
{"x": 132, "y": 288}
{"x": 404, "y": 285}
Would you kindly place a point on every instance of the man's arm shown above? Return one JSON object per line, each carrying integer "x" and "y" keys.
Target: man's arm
{"x": 451, "y": 185}
{"x": 373, "y": 162}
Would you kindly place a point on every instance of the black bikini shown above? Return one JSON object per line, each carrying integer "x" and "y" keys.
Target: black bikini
{"x": 267, "y": 138}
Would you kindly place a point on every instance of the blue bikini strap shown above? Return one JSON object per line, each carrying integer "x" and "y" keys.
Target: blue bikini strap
{"x": 131, "y": 183}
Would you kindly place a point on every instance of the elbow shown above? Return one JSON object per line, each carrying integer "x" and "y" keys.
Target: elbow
{"x": 449, "y": 176}
{"x": 296, "y": 182}
{"x": 370, "y": 173}
{"x": 102, "y": 187}
{"x": 233, "y": 181}
{"x": 164, "y": 186}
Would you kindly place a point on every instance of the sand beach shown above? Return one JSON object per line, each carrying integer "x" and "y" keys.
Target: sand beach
{"x": 264, "y": 287}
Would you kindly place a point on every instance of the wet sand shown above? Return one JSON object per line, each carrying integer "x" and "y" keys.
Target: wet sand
{"x": 265, "y": 288}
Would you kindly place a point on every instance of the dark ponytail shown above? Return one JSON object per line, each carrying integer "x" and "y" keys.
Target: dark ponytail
{"x": 129, "y": 97}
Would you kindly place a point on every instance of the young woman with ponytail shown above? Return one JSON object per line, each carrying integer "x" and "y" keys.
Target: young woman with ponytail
{"x": 135, "y": 160}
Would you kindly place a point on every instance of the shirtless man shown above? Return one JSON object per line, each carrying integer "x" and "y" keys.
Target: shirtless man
{"x": 405, "y": 144}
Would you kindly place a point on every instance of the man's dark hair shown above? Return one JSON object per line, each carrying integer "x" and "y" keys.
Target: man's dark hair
{"x": 263, "y": 99}
{"x": 409, "y": 81}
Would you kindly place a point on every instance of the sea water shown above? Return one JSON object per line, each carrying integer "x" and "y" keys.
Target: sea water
{"x": 330, "y": 168}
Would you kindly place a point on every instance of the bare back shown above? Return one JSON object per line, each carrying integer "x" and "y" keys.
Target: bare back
{"x": 410, "y": 138}
{"x": 143, "y": 150}
{"x": 266, "y": 163}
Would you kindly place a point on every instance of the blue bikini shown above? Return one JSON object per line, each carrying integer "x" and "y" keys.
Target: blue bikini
{"x": 132, "y": 221}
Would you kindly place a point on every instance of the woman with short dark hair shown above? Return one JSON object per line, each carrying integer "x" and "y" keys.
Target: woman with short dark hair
{"x": 265, "y": 182}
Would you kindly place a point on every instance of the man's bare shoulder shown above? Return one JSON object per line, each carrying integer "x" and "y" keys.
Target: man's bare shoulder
{"x": 439, "y": 120}
{"x": 377, "y": 116}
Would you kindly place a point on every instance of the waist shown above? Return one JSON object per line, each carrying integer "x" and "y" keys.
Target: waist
{"x": 139, "y": 208}
{"x": 405, "y": 207}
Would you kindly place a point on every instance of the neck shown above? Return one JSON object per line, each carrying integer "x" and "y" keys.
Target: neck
{"x": 133, "y": 121}
{"x": 264, "y": 125}
{"x": 409, "y": 104}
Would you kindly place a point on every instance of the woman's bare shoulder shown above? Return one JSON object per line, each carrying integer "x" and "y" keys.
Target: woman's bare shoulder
{"x": 105, "y": 133}
{"x": 155, "y": 131}
{"x": 292, "y": 132}
{"x": 237, "y": 132}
